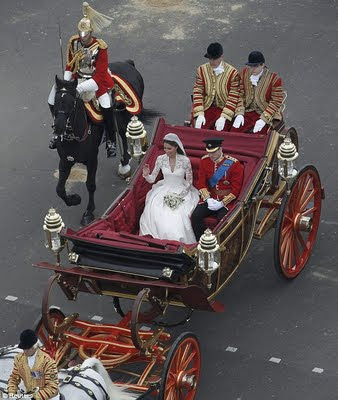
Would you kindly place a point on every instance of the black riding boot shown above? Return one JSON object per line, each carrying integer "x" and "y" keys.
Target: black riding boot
{"x": 52, "y": 142}
{"x": 108, "y": 119}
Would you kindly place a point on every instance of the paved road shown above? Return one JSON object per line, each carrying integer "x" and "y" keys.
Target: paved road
{"x": 275, "y": 340}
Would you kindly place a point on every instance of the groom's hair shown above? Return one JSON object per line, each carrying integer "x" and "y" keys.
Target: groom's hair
{"x": 172, "y": 143}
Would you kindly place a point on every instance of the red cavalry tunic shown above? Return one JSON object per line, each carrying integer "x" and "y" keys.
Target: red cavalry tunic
{"x": 100, "y": 63}
{"x": 228, "y": 187}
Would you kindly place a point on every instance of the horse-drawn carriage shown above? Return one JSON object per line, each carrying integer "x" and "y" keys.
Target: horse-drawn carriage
{"x": 108, "y": 257}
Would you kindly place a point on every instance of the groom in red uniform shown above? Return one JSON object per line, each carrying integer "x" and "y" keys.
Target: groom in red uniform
{"x": 219, "y": 183}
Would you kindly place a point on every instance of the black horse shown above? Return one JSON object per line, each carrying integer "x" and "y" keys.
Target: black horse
{"x": 80, "y": 136}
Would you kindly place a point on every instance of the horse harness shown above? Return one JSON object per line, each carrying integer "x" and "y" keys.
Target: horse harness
{"x": 77, "y": 371}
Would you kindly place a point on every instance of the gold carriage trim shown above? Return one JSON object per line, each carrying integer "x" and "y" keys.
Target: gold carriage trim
{"x": 126, "y": 94}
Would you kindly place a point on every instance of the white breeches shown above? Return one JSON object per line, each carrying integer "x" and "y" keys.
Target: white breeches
{"x": 104, "y": 100}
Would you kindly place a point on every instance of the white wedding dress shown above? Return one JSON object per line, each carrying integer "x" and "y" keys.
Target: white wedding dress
{"x": 160, "y": 221}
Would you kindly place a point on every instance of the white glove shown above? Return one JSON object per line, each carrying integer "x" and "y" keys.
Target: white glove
{"x": 210, "y": 202}
{"x": 219, "y": 125}
{"x": 87, "y": 86}
{"x": 67, "y": 76}
{"x": 239, "y": 121}
{"x": 259, "y": 125}
{"x": 216, "y": 205}
{"x": 200, "y": 121}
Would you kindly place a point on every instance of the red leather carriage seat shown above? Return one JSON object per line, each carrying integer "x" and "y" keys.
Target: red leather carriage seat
{"x": 125, "y": 212}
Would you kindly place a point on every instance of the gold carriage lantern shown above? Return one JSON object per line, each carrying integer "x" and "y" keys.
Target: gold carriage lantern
{"x": 137, "y": 138}
{"x": 52, "y": 226}
{"x": 208, "y": 254}
{"x": 287, "y": 154}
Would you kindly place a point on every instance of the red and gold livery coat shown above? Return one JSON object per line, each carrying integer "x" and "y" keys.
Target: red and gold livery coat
{"x": 101, "y": 75}
{"x": 221, "y": 90}
{"x": 43, "y": 374}
{"x": 267, "y": 96}
{"x": 229, "y": 186}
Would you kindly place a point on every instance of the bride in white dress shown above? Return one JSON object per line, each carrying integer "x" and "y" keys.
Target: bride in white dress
{"x": 171, "y": 201}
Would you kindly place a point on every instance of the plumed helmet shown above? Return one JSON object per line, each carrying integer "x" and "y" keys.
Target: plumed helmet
{"x": 28, "y": 339}
{"x": 92, "y": 20}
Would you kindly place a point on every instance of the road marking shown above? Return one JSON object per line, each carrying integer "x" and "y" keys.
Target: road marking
{"x": 11, "y": 298}
{"x": 275, "y": 360}
{"x": 97, "y": 318}
{"x": 317, "y": 370}
{"x": 231, "y": 349}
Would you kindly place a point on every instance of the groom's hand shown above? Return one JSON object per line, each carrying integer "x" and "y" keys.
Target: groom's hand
{"x": 215, "y": 205}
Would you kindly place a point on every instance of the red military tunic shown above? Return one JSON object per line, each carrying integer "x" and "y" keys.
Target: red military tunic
{"x": 101, "y": 75}
{"x": 228, "y": 187}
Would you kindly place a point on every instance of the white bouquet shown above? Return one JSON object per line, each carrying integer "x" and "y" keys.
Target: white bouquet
{"x": 173, "y": 200}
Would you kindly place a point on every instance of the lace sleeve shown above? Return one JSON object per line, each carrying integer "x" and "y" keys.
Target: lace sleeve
{"x": 158, "y": 164}
{"x": 188, "y": 177}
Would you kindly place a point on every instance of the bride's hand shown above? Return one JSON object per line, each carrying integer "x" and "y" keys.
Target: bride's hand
{"x": 146, "y": 170}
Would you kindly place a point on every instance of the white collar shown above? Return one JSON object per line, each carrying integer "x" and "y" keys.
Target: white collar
{"x": 219, "y": 70}
{"x": 255, "y": 78}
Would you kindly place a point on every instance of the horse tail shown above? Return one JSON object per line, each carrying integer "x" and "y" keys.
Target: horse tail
{"x": 148, "y": 114}
{"x": 115, "y": 392}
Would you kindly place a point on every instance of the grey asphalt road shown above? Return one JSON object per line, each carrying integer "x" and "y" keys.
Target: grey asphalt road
{"x": 276, "y": 340}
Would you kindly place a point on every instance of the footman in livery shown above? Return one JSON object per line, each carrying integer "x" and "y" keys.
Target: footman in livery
{"x": 36, "y": 368}
{"x": 219, "y": 183}
{"x": 261, "y": 97}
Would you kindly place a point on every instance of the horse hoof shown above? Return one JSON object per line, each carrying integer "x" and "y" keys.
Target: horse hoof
{"x": 73, "y": 200}
{"x": 87, "y": 218}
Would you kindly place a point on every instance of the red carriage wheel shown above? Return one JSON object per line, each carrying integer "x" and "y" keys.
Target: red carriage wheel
{"x": 58, "y": 350}
{"x": 181, "y": 370}
{"x": 297, "y": 223}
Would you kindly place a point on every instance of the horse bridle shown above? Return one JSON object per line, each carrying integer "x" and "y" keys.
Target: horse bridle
{"x": 69, "y": 131}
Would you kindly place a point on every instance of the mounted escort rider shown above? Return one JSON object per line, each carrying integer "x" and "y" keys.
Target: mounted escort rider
{"x": 35, "y": 368}
{"x": 87, "y": 60}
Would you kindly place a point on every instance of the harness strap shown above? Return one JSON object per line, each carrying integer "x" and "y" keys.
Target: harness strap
{"x": 78, "y": 372}
{"x": 82, "y": 387}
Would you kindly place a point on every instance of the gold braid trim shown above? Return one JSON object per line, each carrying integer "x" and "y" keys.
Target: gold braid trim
{"x": 78, "y": 56}
{"x": 102, "y": 44}
{"x": 205, "y": 194}
{"x": 227, "y": 199}
{"x": 126, "y": 100}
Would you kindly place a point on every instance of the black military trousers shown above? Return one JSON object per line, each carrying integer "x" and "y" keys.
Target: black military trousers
{"x": 202, "y": 211}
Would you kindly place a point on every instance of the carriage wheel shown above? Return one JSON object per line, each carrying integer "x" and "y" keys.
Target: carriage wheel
{"x": 297, "y": 223}
{"x": 142, "y": 338}
{"x": 56, "y": 349}
{"x": 181, "y": 370}
{"x": 54, "y": 328}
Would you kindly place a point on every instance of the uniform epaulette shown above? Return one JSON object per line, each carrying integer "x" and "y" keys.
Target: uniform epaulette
{"x": 102, "y": 44}
{"x": 205, "y": 156}
{"x": 232, "y": 158}
{"x": 73, "y": 38}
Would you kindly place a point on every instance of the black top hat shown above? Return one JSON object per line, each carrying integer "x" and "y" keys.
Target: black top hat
{"x": 214, "y": 50}
{"x": 255, "y": 58}
{"x": 28, "y": 339}
{"x": 213, "y": 144}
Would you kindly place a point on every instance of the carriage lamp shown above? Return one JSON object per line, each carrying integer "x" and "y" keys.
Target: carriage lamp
{"x": 208, "y": 254}
{"x": 137, "y": 138}
{"x": 52, "y": 226}
{"x": 287, "y": 154}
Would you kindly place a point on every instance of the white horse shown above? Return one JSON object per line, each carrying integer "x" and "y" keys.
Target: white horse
{"x": 91, "y": 368}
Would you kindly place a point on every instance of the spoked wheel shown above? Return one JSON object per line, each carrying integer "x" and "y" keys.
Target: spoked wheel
{"x": 57, "y": 349}
{"x": 54, "y": 327}
{"x": 181, "y": 370}
{"x": 145, "y": 309}
{"x": 297, "y": 223}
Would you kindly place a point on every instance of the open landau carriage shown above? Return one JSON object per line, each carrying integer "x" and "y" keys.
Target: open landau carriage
{"x": 108, "y": 257}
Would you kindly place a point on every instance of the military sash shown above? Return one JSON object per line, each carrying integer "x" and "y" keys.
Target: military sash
{"x": 219, "y": 173}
